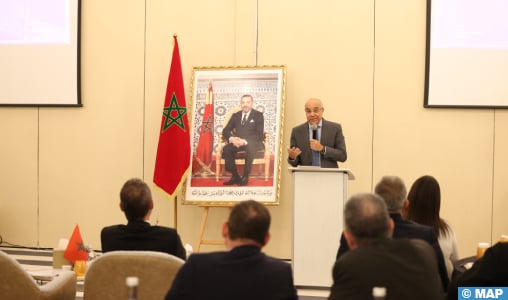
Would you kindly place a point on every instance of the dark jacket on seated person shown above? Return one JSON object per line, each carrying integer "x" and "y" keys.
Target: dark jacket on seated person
{"x": 411, "y": 230}
{"x": 405, "y": 267}
{"x": 243, "y": 270}
{"x": 491, "y": 270}
{"x": 140, "y": 235}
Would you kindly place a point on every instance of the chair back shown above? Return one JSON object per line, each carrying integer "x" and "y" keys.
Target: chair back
{"x": 16, "y": 283}
{"x": 105, "y": 278}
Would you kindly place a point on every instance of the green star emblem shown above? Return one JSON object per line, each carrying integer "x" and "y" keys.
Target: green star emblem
{"x": 208, "y": 124}
{"x": 81, "y": 247}
{"x": 168, "y": 114}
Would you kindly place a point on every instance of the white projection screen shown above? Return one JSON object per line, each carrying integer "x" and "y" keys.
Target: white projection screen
{"x": 467, "y": 54}
{"x": 40, "y": 53}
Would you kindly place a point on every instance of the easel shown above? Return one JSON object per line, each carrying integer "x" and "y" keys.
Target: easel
{"x": 201, "y": 241}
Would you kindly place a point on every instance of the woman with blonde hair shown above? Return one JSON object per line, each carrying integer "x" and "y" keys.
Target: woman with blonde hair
{"x": 424, "y": 206}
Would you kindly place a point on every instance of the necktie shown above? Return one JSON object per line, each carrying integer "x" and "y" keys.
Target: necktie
{"x": 316, "y": 157}
{"x": 244, "y": 119}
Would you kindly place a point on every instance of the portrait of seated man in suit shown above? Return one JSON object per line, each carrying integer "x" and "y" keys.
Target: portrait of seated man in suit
{"x": 243, "y": 132}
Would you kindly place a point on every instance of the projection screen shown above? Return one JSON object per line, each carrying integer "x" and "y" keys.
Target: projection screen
{"x": 467, "y": 54}
{"x": 39, "y": 53}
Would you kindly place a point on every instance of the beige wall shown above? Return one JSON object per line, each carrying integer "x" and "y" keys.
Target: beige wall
{"x": 62, "y": 166}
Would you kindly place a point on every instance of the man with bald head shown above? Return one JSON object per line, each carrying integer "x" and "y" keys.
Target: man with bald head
{"x": 317, "y": 142}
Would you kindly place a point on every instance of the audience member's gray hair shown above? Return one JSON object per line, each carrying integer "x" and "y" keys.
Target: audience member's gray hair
{"x": 366, "y": 217}
{"x": 393, "y": 190}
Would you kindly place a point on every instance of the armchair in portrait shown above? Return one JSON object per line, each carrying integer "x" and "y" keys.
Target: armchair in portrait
{"x": 262, "y": 157}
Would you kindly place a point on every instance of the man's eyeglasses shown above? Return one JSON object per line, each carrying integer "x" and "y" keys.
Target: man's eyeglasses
{"x": 315, "y": 110}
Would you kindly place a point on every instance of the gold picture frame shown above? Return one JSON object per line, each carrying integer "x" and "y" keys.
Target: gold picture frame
{"x": 216, "y": 95}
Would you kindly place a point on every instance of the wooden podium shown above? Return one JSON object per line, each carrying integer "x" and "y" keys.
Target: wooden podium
{"x": 319, "y": 195}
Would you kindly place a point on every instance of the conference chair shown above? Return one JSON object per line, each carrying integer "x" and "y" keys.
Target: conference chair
{"x": 262, "y": 157}
{"x": 16, "y": 283}
{"x": 105, "y": 278}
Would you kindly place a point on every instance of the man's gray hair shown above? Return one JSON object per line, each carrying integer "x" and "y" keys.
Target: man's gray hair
{"x": 366, "y": 217}
{"x": 393, "y": 190}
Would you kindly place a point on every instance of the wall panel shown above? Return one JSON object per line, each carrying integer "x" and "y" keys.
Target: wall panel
{"x": 18, "y": 174}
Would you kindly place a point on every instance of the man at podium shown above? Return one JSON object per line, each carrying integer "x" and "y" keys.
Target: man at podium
{"x": 317, "y": 142}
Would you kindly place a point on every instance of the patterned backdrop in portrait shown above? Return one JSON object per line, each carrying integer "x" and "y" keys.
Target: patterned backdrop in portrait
{"x": 227, "y": 95}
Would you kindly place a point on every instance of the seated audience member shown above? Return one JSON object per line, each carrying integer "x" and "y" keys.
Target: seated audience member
{"x": 393, "y": 191}
{"x": 406, "y": 268}
{"x": 489, "y": 271}
{"x": 242, "y": 272}
{"x": 137, "y": 204}
{"x": 424, "y": 205}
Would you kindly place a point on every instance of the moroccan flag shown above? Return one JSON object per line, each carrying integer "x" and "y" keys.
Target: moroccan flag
{"x": 76, "y": 249}
{"x": 173, "y": 153}
{"x": 205, "y": 145}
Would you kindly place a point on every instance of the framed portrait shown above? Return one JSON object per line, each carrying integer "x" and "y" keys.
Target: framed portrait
{"x": 236, "y": 135}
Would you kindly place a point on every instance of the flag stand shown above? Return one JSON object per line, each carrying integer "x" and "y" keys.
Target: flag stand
{"x": 201, "y": 241}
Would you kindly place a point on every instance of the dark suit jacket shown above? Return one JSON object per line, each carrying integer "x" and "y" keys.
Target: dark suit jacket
{"x": 406, "y": 268}
{"x": 331, "y": 137}
{"x": 411, "y": 230}
{"x": 243, "y": 273}
{"x": 253, "y": 131}
{"x": 140, "y": 235}
{"x": 491, "y": 270}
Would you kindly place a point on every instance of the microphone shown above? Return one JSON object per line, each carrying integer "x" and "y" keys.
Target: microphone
{"x": 314, "y": 128}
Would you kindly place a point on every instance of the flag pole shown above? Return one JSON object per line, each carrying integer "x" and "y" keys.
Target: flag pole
{"x": 175, "y": 220}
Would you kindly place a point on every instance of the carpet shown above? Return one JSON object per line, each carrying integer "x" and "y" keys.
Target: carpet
{"x": 211, "y": 182}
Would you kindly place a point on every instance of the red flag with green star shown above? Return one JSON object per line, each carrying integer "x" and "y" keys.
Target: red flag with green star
{"x": 205, "y": 144}
{"x": 173, "y": 153}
